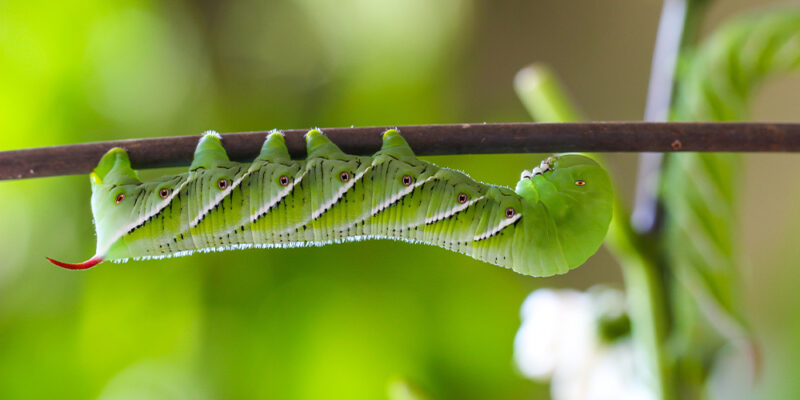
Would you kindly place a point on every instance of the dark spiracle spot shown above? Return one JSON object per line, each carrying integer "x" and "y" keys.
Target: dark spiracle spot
{"x": 510, "y": 212}
{"x": 284, "y": 180}
{"x": 164, "y": 193}
{"x": 344, "y": 176}
{"x": 407, "y": 180}
{"x": 120, "y": 197}
{"x": 462, "y": 198}
{"x": 222, "y": 184}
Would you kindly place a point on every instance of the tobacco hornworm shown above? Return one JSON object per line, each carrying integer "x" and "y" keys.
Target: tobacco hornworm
{"x": 556, "y": 218}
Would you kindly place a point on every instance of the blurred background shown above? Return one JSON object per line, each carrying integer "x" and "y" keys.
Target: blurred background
{"x": 342, "y": 321}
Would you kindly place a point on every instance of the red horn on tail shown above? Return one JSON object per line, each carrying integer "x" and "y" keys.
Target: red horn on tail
{"x": 84, "y": 265}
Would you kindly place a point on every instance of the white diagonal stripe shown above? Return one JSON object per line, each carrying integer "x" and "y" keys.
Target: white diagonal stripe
{"x": 504, "y": 223}
{"x": 449, "y": 213}
{"x": 122, "y": 231}
{"x": 319, "y": 211}
{"x": 397, "y": 196}
{"x": 342, "y": 190}
{"x": 275, "y": 200}
{"x": 272, "y": 202}
{"x": 217, "y": 199}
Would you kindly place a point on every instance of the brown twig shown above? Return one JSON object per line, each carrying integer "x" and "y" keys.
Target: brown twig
{"x": 428, "y": 140}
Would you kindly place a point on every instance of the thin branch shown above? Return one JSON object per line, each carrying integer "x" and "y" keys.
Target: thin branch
{"x": 428, "y": 140}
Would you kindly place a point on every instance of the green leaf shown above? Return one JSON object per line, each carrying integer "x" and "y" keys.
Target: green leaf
{"x": 699, "y": 191}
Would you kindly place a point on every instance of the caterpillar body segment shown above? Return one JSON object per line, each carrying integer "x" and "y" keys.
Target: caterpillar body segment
{"x": 555, "y": 219}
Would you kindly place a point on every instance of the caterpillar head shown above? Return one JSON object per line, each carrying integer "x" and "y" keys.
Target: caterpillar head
{"x": 575, "y": 194}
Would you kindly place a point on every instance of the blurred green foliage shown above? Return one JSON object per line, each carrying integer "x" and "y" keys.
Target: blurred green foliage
{"x": 335, "y": 322}
{"x": 700, "y": 192}
{"x": 340, "y": 321}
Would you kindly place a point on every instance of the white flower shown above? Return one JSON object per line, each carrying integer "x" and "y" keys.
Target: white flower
{"x": 559, "y": 340}
{"x": 608, "y": 374}
{"x": 557, "y": 332}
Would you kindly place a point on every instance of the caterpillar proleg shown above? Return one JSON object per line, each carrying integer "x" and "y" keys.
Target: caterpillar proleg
{"x": 555, "y": 219}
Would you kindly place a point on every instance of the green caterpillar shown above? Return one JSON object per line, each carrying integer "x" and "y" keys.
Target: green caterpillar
{"x": 555, "y": 220}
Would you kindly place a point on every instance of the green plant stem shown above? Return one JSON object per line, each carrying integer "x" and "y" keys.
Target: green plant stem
{"x": 646, "y": 293}
{"x": 543, "y": 96}
{"x": 643, "y": 265}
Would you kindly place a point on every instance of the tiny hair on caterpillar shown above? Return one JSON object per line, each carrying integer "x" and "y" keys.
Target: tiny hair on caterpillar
{"x": 554, "y": 220}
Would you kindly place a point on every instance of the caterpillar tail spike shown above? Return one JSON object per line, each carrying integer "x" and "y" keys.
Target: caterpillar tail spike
{"x": 84, "y": 265}
{"x": 555, "y": 219}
